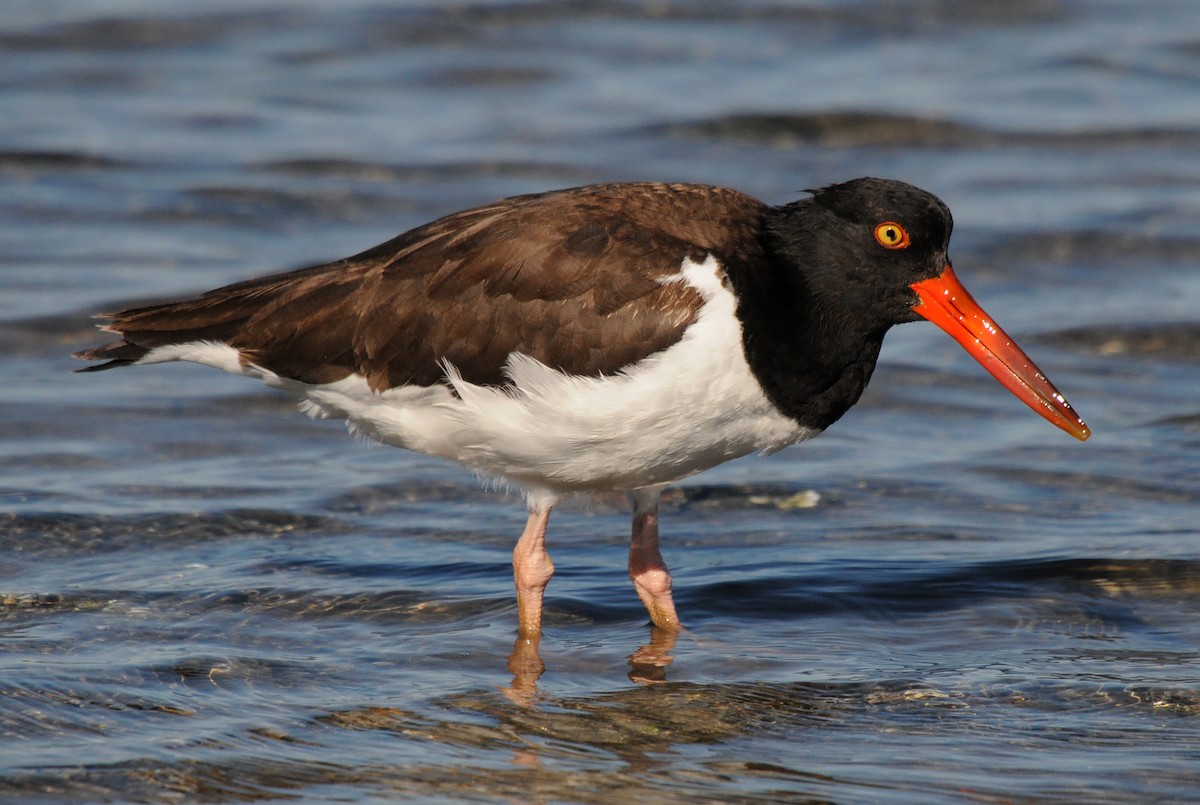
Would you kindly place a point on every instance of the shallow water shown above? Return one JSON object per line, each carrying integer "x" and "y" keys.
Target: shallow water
{"x": 204, "y": 596}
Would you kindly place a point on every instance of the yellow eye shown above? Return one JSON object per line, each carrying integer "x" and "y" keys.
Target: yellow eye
{"x": 891, "y": 235}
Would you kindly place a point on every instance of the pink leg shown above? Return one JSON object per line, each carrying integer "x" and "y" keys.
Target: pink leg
{"x": 646, "y": 567}
{"x": 532, "y": 570}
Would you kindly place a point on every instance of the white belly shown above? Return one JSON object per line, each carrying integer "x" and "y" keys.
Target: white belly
{"x": 680, "y": 411}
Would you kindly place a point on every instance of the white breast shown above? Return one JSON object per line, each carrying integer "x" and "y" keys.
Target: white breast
{"x": 675, "y": 413}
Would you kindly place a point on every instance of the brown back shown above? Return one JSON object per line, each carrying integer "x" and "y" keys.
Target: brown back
{"x": 570, "y": 277}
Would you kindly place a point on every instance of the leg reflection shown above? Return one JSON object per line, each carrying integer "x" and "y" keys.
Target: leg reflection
{"x": 526, "y": 666}
{"x": 648, "y": 665}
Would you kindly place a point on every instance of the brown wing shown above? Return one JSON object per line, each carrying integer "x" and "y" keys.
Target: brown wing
{"x": 570, "y": 278}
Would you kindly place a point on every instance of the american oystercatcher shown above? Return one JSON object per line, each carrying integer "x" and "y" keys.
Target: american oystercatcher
{"x": 612, "y": 337}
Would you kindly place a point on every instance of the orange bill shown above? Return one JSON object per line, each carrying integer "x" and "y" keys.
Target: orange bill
{"x": 946, "y": 303}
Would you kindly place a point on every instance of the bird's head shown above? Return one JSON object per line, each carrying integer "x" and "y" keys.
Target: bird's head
{"x": 882, "y": 246}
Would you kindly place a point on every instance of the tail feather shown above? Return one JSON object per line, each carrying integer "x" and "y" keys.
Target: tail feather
{"x": 116, "y": 353}
{"x": 219, "y": 316}
{"x": 145, "y": 329}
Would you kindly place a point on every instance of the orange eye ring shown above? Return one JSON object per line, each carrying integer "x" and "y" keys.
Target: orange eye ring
{"x": 890, "y": 235}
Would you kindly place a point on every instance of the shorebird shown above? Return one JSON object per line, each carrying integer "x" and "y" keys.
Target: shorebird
{"x": 601, "y": 338}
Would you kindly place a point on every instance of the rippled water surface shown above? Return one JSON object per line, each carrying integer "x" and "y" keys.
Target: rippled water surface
{"x": 204, "y": 596}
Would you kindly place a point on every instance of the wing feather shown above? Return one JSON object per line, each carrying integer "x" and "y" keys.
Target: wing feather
{"x": 572, "y": 278}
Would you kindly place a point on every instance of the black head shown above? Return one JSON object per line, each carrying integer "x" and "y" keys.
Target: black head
{"x": 860, "y": 256}
{"x": 863, "y": 244}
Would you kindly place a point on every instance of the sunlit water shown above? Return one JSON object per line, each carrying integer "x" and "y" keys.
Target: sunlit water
{"x": 204, "y": 596}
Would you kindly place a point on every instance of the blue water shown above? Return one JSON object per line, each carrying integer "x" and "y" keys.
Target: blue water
{"x": 205, "y": 596}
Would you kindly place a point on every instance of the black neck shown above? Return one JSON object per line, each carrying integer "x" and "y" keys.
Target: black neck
{"x": 806, "y": 341}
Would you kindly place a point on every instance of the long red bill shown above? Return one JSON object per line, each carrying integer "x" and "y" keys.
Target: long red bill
{"x": 946, "y": 303}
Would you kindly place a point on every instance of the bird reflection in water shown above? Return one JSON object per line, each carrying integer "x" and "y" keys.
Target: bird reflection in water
{"x": 526, "y": 666}
{"x": 647, "y": 664}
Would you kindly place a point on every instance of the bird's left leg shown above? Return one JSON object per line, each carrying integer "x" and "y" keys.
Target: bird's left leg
{"x": 532, "y": 567}
{"x": 649, "y": 573}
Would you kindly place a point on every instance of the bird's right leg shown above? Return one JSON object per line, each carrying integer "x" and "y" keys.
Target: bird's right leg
{"x": 647, "y": 569}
